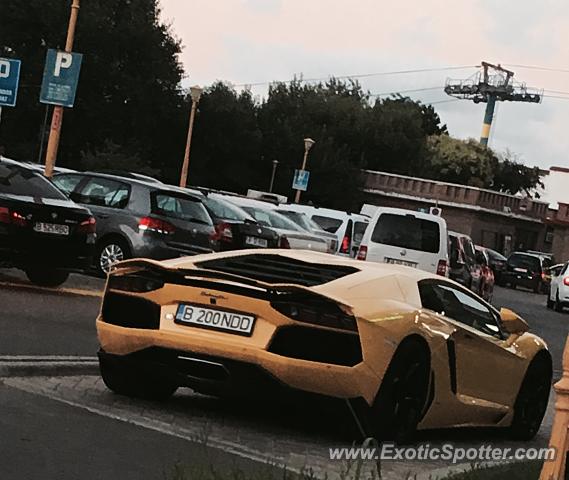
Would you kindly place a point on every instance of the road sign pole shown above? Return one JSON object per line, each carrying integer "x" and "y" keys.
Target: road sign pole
{"x": 57, "y": 116}
{"x": 297, "y": 196}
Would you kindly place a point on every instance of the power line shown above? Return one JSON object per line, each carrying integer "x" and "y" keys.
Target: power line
{"x": 557, "y": 92}
{"x": 534, "y": 67}
{"x": 384, "y": 94}
{"x": 555, "y": 96}
{"x": 359, "y": 75}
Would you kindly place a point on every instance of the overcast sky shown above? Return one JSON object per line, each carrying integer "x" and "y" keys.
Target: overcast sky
{"x": 250, "y": 41}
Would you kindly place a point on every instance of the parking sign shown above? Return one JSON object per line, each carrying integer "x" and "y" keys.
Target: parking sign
{"x": 9, "y": 79}
{"x": 300, "y": 180}
{"x": 60, "y": 78}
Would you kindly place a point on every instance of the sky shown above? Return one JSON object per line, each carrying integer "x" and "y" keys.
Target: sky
{"x": 252, "y": 41}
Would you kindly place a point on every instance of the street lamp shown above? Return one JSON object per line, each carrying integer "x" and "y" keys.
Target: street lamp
{"x": 308, "y": 142}
{"x": 275, "y": 164}
{"x": 195, "y": 94}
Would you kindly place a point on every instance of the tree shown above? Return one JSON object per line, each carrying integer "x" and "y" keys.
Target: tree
{"x": 129, "y": 88}
{"x": 512, "y": 176}
{"x": 466, "y": 162}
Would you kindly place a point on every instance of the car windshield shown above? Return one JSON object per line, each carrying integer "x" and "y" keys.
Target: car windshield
{"x": 495, "y": 256}
{"x": 272, "y": 219}
{"x": 226, "y": 211}
{"x": 327, "y": 224}
{"x": 183, "y": 208}
{"x": 528, "y": 262}
{"x": 15, "y": 180}
{"x": 407, "y": 231}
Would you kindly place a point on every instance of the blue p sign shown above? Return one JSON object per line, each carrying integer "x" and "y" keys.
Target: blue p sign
{"x": 60, "y": 78}
{"x": 9, "y": 79}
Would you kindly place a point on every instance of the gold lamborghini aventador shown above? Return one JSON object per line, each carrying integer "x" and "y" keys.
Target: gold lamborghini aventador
{"x": 417, "y": 350}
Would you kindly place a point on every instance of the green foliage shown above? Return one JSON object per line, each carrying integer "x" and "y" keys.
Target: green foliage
{"x": 458, "y": 161}
{"x": 512, "y": 176}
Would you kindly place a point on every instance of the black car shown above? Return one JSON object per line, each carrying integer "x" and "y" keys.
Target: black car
{"x": 465, "y": 267}
{"x": 136, "y": 218}
{"x": 236, "y": 229}
{"x": 497, "y": 264}
{"x": 526, "y": 270}
{"x": 41, "y": 230}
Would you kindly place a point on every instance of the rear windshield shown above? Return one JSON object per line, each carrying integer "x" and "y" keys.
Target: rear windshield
{"x": 21, "y": 181}
{"x": 328, "y": 224}
{"x": 272, "y": 219}
{"x": 180, "y": 207}
{"x": 300, "y": 219}
{"x": 359, "y": 230}
{"x": 407, "y": 231}
{"x": 528, "y": 262}
{"x": 225, "y": 210}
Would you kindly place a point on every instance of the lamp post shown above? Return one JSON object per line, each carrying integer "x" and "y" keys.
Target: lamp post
{"x": 275, "y": 164}
{"x": 57, "y": 116}
{"x": 308, "y": 142}
{"x": 195, "y": 94}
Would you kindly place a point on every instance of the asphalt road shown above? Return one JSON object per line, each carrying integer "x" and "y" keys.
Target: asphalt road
{"x": 45, "y": 439}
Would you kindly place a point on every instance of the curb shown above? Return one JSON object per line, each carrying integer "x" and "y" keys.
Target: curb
{"x": 57, "y": 366}
{"x": 53, "y": 291}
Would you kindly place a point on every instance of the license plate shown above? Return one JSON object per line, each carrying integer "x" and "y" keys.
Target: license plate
{"x": 256, "y": 242}
{"x": 396, "y": 261}
{"x": 233, "y": 322}
{"x": 52, "y": 228}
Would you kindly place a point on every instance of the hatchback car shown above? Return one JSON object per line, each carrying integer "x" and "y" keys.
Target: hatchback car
{"x": 140, "y": 219}
{"x": 41, "y": 230}
{"x": 497, "y": 263}
{"x": 526, "y": 270}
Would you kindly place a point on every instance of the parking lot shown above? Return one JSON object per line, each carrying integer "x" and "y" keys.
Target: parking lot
{"x": 51, "y": 322}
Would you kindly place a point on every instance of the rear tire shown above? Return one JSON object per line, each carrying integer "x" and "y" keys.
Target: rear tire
{"x": 109, "y": 252}
{"x": 125, "y": 379}
{"x": 549, "y": 302}
{"x": 46, "y": 277}
{"x": 558, "y": 306}
{"x": 532, "y": 399}
{"x": 398, "y": 407}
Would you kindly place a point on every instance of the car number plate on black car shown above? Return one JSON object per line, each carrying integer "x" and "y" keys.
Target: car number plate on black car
{"x": 232, "y": 322}
{"x": 52, "y": 228}
{"x": 256, "y": 242}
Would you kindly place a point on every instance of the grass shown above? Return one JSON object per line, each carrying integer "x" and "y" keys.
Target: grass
{"x": 513, "y": 471}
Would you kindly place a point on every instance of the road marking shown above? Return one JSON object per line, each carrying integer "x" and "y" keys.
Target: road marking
{"x": 161, "y": 427}
{"x": 57, "y": 291}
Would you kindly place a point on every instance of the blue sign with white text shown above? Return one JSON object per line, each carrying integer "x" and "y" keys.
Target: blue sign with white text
{"x": 60, "y": 78}
{"x": 300, "y": 180}
{"x": 9, "y": 79}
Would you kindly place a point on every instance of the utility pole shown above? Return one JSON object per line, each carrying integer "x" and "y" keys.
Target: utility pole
{"x": 275, "y": 163}
{"x": 57, "y": 116}
{"x": 493, "y": 84}
{"x": 195, "y": 94}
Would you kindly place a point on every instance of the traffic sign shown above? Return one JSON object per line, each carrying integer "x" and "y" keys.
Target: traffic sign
{"x": 60, "y": 78}
{"x": 300, "y": 180}
{"x": 9, "y": 79}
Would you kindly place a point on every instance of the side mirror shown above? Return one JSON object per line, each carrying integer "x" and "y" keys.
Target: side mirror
{"x": 512, "y": 322}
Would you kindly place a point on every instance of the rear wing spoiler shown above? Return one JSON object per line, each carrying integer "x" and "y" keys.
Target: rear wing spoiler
{"x": 219, "y": 280}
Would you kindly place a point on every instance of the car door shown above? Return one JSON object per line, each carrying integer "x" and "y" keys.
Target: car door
{"x": 485, "y": 370}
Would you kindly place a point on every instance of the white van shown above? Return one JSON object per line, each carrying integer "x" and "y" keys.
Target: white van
{"x": 348, "y": 227}
{"x": 406, "y": 237}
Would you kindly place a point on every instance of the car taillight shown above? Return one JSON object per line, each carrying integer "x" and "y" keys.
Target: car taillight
{"x": 442, "y": 268}
{"x": 156, "y": 225}
{"x": 87, "y": 226}
{"x": 345, "y": 247}
{"x": 11, "y": 217}
{"x": 324, "y": 314}
{"x": 362, "y": 252}
{"x": 222, "y": 232}
{"x": 283, "y": 243}
{"x": 566, "y": 281}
